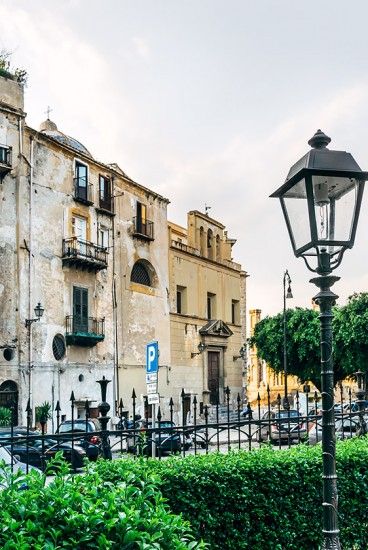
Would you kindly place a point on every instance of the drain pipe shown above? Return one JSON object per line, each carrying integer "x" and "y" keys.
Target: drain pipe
{"x": 30, "y": 266}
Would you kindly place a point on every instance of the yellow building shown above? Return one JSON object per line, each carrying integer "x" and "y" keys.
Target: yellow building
{"x": 207, "y": 312}
{"x": 260, "y": 376}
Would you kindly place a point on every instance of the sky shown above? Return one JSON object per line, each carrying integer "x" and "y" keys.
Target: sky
{"x": 207, "y": 102}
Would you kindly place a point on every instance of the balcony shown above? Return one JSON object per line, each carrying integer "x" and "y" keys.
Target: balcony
{"x": 5, "y": 159}
{"x": 84, "y": 331}
{"x": 83, "y": 191}
{"x": 84, "y": 255}
{"x": 143, "y": 229}
{"x": 106, "y": 206}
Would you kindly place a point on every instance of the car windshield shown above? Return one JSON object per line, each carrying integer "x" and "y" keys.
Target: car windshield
{"x": 79, "y": 426}
{"x": 286, "y": 414}
{"x": 163, "y": 424}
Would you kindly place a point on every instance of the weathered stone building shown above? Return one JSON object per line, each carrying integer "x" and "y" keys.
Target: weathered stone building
{"x": 90, "y": 245}
{"x": 92, "y": 251}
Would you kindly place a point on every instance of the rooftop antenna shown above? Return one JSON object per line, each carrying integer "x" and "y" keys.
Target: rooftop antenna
{"x": 207, "y": 208}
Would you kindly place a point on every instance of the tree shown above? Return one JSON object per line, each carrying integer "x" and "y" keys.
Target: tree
{"x": 351, "y": 334}
{"x": 302, "y": 345}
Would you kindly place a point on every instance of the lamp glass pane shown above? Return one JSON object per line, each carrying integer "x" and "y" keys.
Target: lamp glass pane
{"x": 295, "y": 201}
{"x": 335, "y": 200}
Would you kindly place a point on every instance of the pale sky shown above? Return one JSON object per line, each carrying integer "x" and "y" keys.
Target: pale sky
{"x": 207, "y": 102}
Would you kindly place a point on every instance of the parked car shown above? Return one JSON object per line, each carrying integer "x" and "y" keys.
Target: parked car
{"x": 166, "y": 437}
{"x": 278, "y": 426}
{"x": 88, "y": 438}
{"x": 345, "y": 428}
{"x": 29, "y": 449}
{"x": 6, "y": 460}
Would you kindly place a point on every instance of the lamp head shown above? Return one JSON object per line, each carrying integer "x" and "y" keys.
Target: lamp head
{"x": 321, "y": 200}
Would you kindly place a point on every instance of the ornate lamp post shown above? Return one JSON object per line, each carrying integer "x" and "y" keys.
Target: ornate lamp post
{"x": 321, "y": 200}
{"x": 287, "y": 294}
{"x": 38, "y": 310}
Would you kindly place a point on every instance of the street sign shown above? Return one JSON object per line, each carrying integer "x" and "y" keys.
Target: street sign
{"x": 152, "y": 387}
{"x": 152, "y": 357}
{"x": 153, "y": 399}
{"x": 152, "y": 377}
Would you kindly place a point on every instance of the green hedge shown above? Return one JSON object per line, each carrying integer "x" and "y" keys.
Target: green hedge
{"x": 264, "y": 499}
{"x": 86, "y": 512}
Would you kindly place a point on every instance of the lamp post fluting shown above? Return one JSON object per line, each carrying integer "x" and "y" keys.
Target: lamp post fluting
{"x": 321, "y": 200}
{"x": 287, "y": 294}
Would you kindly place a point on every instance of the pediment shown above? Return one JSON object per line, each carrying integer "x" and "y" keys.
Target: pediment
{"x": 217, "y": 328}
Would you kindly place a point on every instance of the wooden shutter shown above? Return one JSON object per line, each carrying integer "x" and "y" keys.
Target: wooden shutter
{"x": 80, "y": 309}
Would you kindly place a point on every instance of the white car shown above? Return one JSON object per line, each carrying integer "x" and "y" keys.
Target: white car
{"x": 281, "y": 425}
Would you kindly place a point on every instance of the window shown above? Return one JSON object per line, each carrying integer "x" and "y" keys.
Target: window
{"x": 81, "y": 181}
{"x": 103, "y": 237}
{"x": 209, "y": 238}
{"x": 79, "y": 227}
{"x": 80, "y": 309}
{"x": 58, "y": 347}
{"x": 105, "y": 193}
{"x": 140, "y": 274}
{"x": 79, "y": 230}
{"x": 141, "y": 218}
{"x": 211, "y": 305}
{"x": 235, "y": 317}
{"x": 181, "y": 299}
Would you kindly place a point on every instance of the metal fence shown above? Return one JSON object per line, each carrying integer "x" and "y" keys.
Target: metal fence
{"x": 205, "y": 429}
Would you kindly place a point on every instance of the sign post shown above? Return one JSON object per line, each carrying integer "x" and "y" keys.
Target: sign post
{"x": 152, "y": 355}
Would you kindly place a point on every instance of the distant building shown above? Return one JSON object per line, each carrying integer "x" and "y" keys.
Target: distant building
{"x": 207, "y": 309}
{"x": 261, "y": 377}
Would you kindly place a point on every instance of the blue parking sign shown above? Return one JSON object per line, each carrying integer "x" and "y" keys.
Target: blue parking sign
{"x": 152, "y": 357}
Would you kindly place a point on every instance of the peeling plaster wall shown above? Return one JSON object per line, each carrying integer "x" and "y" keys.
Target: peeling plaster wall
{"x": 144, "y": 311}
{"x": 11, "y": 331}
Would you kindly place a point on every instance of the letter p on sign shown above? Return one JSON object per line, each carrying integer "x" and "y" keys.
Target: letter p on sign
{"x": 152, "y": 357}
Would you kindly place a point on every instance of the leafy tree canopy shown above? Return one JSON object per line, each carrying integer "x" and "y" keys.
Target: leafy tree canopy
{"x": 350, "y": 327}
{"x": 350, "y": 337}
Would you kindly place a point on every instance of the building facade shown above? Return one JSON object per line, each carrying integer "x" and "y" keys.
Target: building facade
{"x": 89, "y": 245}
{"x": 262, "y": 379}
{"x": 91, "y": 272}
{"x": 207, "y": 312}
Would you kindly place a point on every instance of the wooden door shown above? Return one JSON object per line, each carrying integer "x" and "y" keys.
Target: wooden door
{"x": 214, "y": 376}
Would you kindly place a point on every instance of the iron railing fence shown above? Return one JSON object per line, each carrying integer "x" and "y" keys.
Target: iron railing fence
{"x": 219, "y": 427}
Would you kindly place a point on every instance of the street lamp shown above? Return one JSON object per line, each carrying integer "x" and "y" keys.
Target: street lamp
{"x": 38, "y": 310}
{"x": 242, "y": 353}
{"x": 201, "y": 348}
{"x": 287, "y": 294}
{"x": 38, "y": 313}
{"x": 321, "y": 200}
{"x": 359, "y": 392}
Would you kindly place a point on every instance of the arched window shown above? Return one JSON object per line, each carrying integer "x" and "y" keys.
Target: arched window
{"x": 209, "y": 238}
{"x": 140, "y": 274}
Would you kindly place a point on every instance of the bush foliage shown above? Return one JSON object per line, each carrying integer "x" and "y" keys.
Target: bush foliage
{"x": 260, "y": 500}
{"x": 89, "y": 512}
{"x": 263, "y": 499}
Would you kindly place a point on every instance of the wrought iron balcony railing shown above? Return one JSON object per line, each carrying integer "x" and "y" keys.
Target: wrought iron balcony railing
{"x": 143, "y": 228}
{"x": 84, "y": 331}
{"x": 86, "y": 255}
